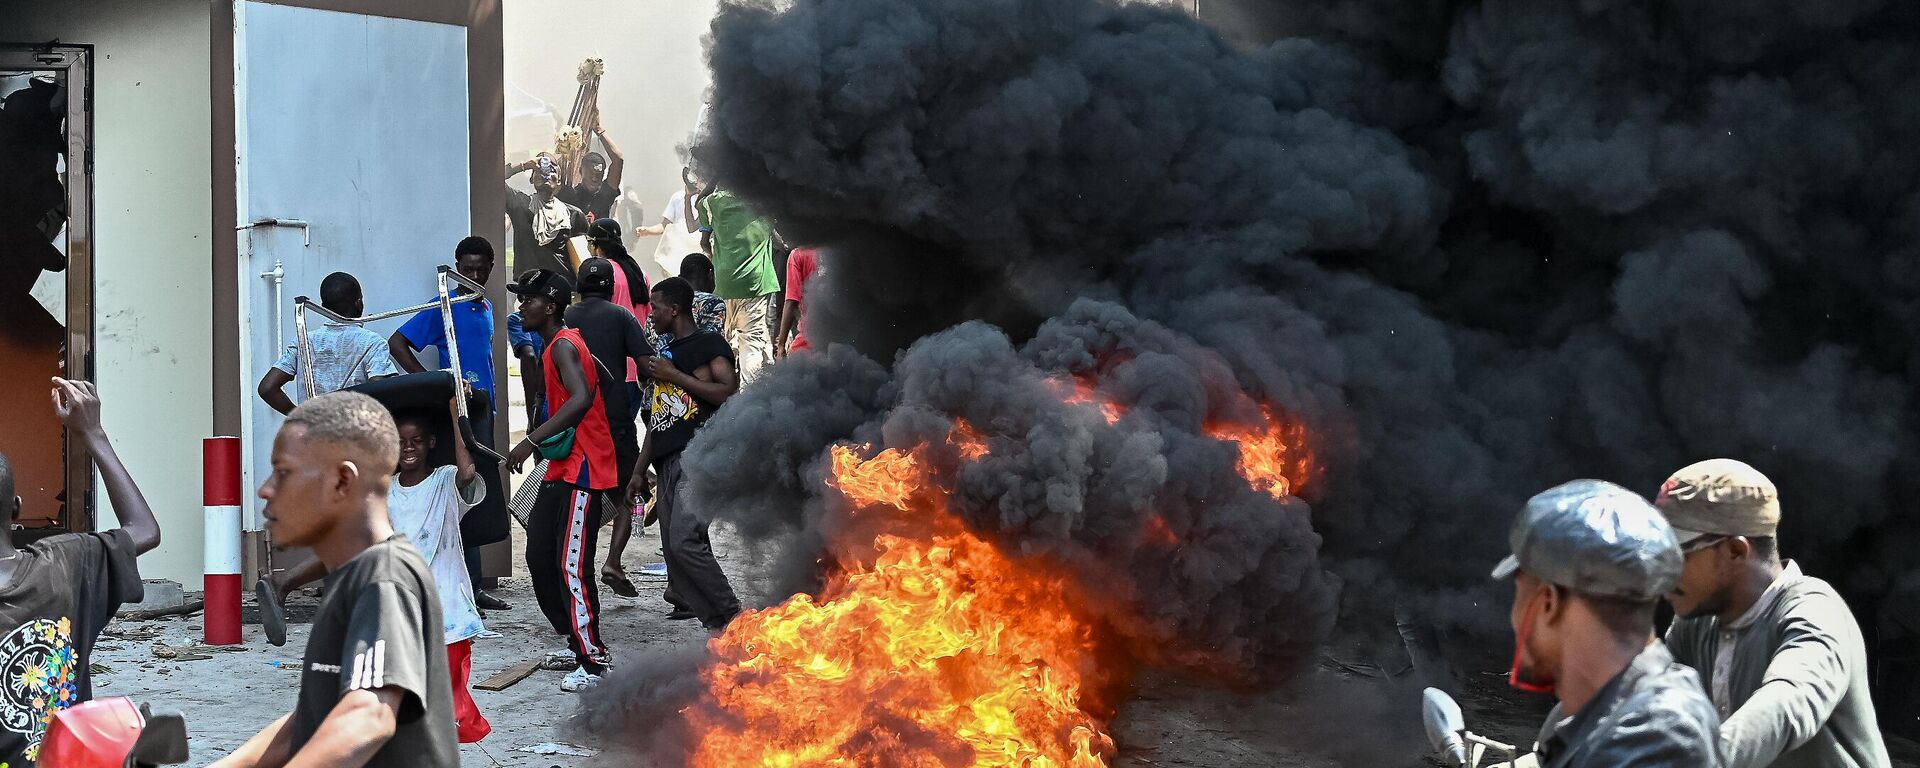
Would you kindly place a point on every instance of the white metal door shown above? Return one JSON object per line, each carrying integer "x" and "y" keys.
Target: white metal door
{"x": 352, "y": 134}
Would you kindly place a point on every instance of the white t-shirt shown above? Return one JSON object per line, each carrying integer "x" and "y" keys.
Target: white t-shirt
{"x": 429, "y": 514}
{"x": 677, "y": 242}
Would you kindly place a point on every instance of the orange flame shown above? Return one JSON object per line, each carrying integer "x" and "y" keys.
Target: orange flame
{"x": 936, "y": 650}
{"x": 890, "y": 478}
{"x": 1274, "y": 456}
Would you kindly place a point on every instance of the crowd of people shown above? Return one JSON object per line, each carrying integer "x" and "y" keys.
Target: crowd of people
{"x": 1763, "y": 665}
{"x": 619, "y": 374}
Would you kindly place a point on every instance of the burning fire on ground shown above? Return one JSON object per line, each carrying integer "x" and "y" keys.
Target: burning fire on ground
{"x": 928, "y": 646}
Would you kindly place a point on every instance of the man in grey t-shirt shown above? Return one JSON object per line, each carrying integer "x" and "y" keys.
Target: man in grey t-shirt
{"x": 374, "y": 689}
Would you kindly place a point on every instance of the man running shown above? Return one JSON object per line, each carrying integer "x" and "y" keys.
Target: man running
{"x": 691, "y": 378}
{"x": 563, "y": 528}
{"x": 374, "y": 688}
{"x": 57, "y": 593}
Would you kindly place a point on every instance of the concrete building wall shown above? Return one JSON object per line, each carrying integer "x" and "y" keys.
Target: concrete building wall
{"x": 152, "y": 203}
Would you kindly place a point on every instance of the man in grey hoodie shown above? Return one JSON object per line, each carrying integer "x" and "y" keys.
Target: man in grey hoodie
{"x": 1779, "y": 652}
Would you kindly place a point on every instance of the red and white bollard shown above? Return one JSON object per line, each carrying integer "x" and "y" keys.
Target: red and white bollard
{"x": 221, "y": 467}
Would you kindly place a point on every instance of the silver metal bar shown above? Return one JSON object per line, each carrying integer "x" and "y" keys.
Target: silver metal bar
{"x": 307, "y": 380}
{"x": 314, "y": 307}
{"x": 453, "y": 342}
{"x": 444, "y": 301}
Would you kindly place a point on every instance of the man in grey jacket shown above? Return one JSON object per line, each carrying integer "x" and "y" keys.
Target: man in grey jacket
{"x": 1779, "y": 651}
{"x": 1590, "y": 559}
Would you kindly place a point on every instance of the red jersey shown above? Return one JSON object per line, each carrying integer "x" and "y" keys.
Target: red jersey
{"x": 802, "y": 265}
{"x": 591, "y": 465}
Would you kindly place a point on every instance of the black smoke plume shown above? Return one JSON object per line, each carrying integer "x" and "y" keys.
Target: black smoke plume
{"x": 1477, "y": 248}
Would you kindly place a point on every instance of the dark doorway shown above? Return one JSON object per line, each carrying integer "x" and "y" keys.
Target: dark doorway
{"x": 46, "y": 315}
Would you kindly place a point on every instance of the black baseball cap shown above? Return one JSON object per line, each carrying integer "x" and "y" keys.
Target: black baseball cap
{"x": 596, "y": 275}
{"x": 604, "y": 229}
{"x": 544, "y": 283}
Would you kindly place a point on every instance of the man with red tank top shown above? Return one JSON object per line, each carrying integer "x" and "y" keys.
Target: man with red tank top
{"x": 563, "y": 528}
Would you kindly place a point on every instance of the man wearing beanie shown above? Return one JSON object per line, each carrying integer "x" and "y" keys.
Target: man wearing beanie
{"x": 1779, "y": 651}
{"x": 1590, "y": 559}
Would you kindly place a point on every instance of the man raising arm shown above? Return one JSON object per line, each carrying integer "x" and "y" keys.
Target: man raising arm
{"x": 59, "y": 592}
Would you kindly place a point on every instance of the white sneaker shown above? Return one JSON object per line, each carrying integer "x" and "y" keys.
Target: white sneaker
{"x": 579, "y": 680}
{"x": 559, "y": 660}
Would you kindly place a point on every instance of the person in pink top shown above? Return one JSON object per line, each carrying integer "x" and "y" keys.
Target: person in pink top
{"x": 802, "y": 266}
{"x": 629, "y": 284}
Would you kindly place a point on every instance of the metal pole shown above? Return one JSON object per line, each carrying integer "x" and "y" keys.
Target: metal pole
{"x": 453, "y": 343}
{"x": 307, "y": 381}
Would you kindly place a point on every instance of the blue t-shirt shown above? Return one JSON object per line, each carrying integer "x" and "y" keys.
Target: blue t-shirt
{"x": 518, "y": 336}
{"x": 472, "y": 329}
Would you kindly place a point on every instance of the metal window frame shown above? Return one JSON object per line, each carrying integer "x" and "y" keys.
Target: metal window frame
{"x": 76, "y": 63}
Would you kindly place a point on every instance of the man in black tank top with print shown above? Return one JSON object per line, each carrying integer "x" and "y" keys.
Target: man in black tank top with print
{"x": 689, "y": 380}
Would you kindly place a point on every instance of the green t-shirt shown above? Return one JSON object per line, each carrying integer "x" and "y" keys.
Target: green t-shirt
{"x": 742, "y": 247}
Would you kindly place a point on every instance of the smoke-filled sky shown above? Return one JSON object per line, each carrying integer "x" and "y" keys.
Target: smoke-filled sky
{"x": 1478, "y": 248}
{"x": 650, "y": 99}
{"x": 1496, "y": 245}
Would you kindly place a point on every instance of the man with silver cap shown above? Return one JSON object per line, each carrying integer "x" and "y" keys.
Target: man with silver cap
{"x": 1781, "y": 654}
{"x": 1589, "y": 561}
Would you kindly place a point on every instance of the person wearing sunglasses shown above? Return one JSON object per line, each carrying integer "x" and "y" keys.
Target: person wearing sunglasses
{"x": 1779, "y": 652}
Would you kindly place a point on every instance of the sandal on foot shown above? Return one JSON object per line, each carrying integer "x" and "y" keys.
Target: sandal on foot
{"x": 619, "y": 583}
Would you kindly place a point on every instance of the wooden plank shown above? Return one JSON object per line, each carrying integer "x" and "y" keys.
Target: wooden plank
{"x": 507, "y": 677}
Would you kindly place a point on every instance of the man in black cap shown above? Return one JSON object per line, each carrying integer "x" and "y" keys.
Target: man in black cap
{"x": 564, "y": 524}
{"x": 615, "y": 337}
{"x": 1589, "y": 561}
{"x": 599, "y": 185}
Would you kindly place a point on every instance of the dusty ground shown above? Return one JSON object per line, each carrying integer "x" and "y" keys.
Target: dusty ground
{"x": 233, "y": 693}
{"x": 1332, "y": 717}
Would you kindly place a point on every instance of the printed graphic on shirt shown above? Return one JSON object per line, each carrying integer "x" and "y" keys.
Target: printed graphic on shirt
{"x": 36, "y": 660}
{"x": 671, "y": 405}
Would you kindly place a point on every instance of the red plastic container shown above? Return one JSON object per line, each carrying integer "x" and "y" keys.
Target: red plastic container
{"x": 94, "y": 734}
